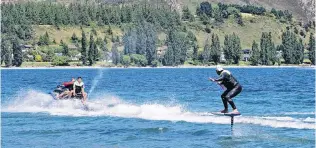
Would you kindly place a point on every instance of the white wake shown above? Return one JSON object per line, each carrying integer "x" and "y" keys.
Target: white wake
{"x": 36, "y": 102}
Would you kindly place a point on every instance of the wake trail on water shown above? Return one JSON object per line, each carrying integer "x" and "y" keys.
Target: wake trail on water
{"x": 38, "y": 102}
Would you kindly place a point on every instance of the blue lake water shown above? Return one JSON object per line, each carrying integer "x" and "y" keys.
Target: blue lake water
{"x": 158, "y": 108}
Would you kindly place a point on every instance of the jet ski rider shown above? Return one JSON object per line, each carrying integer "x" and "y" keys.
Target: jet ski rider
{"x": 68, "y": 88}
{"x": 78, "y": 89}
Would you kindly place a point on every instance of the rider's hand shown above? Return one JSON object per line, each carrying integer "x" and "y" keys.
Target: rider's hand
{"x": 211, "y": 79}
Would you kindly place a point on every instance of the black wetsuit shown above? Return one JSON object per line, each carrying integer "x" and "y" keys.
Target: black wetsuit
{"x": 232, "y": 85}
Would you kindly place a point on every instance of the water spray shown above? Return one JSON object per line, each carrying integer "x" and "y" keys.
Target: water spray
{"x": 96, "y": 80}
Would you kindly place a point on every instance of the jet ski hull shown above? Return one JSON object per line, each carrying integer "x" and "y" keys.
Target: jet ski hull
{"x": 61, "y": 89}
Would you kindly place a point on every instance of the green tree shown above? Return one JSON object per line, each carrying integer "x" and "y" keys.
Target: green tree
{"x": 83, "y": 48}
{"x": 205, "y": 19}
{"x": 215, "y": 52}
{"x": 96, "y": 53}
{"x": 6, "y": 52}
{"x": 311, "y": 48}
{"x": 207, "y": 51}
{"x": 74, "y": 38}
{"x": 289, "y": 42}
{"x": 186, "y": 14}
{"x": 151, "y": 46}
{"x": 91, "y": 51}
{"x": 268, "y": 50}
{"x": 236, "y": 48}
{"x": 206, "y": 8}
{"x": 60, "y": 61}
{"x": 46, "y": 38}
{"x": 255, "y": 56}
{"x": 17, "y": 53}
{"x": 228, "y": 49}
{"x": 298, "y": 52}
{"x": 129, "y": 40}
{"x": 109, "y": 31}
{"x": 217, "y": 15}
{"x": 126, "y": 60}
{"x": 20, "y": 33}
{"x": 139, "y": 60}
{"x": 195, "y": 51}
{"x": 65, "y": 49}
{"x": 115, "y": 54}
{"x": 168, "y": 57}
{"x": 232, "y": 48}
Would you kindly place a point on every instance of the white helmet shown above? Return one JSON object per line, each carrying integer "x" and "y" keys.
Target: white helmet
{"x": 219, "y": 68}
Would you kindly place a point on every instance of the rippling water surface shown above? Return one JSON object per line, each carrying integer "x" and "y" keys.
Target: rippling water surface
{"x": 158, "y": 108}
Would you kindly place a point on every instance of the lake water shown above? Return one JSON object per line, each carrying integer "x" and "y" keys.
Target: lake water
{"x": 158, "y": 108}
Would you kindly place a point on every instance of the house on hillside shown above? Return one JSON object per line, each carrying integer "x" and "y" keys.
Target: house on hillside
{"x": 76, "y": 57}
{"x": 222, "y": 58}
{"x": 161, "y": 51}
{"x": 72, "y": 47}
{"x": 279, "y": 54}
{"x": 107, "y": 57}
{"x": 26, "y": 48}
{"x": 246, "y": 54}
{"x": 58, "y": 54}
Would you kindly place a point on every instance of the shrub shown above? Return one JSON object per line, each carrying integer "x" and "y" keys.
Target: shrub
{"x": 38, "y": 58}
{"x": 60, "y": 61}
{"x": 126, "y": 61}
{"x": 155, "y": 63}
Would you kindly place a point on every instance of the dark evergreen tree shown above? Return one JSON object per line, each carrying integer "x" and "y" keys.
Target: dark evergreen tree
{"x": 195, "y": 51}
{"x": 6, "y": 52}
{"x": 218, "y": 15}
{"x": 311, "y": 48}
{"x": 227, "y": 49}
{"x": 255, "y": 56}
{"x": 151, "y": 46}
{"x": 207, "y": 51}
{"x": 115, "y": 54}
{"x": 186, "y": 14}
{"x": 288, "y": 42}
{"x": 74, "y": 38}
{"x": 206, "y": 8}
{"x": 236, "y": 48}
{"x": 91, "y": 51}
{"x": 65, "y": 48}
{"x": 17, "y": 53}
{"x": 215, "y": 52}
{"x": 83, "y": 48}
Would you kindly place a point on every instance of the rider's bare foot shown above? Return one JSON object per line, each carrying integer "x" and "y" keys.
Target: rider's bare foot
{"x": 235, "y": 111}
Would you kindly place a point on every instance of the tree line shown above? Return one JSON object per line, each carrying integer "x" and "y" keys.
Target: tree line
{"x": 49, "y": 13}
{"x": 140, "y": 39}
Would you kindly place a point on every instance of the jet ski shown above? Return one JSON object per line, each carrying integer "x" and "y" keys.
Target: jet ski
{"x": 60, "y": 89}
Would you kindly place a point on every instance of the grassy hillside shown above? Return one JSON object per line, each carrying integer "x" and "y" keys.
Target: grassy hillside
{"x": 247, "y": 33}
{"x": 254, "y": 25}
{"x": 301, "y": 9}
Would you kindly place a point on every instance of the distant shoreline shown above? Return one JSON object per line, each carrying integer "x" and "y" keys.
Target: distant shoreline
{"x": 162, "y": 67}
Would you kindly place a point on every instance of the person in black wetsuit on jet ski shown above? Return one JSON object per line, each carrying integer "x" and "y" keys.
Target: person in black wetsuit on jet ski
{"x": 233, "y": 88}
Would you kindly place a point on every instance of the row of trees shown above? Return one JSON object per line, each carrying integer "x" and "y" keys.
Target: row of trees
{"x": 222, "y": 11}
{"x": 267, "y": 54}
{"x": 90, "y": 54}
{"x": 292, "y": 50}
{"x": 49, "y": 13}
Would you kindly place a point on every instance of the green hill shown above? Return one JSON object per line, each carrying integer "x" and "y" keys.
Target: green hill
{"x": 141, "y": 26}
